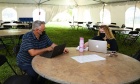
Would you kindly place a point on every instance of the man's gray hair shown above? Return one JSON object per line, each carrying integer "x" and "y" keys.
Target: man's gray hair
{"x": 37, "y": 24}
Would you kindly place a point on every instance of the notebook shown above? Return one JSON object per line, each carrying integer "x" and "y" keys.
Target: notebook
{"x": 58, "y": 50}
{"x": 97, "y": 45}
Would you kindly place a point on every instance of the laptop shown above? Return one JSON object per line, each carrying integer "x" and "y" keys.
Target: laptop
{"x": 97, "y": 46}
{"x": 58, "y": 50}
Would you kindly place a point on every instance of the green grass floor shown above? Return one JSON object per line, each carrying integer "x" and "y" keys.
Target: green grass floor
{"x": 71, "y": 38}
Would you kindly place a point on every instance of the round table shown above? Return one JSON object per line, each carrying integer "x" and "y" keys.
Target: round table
{"x": 63, "y": 69}
{"x": 12, "y": 32}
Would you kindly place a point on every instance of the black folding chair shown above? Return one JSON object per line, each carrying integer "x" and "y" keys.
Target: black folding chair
{"x": 137, "y": 29}
{"x": 131, "y": 38}
{"x": 15, "y": 79}
{"x": 4, "y": 46}
{"x": 16, "y": 50}
{"x": 3, "y": 60}
{"x": 71, "y": 24}
{"x": 137, "y": 55}
{"x": 89, "y": 25}
{"x": 123, "y": 26}
{"x": 113, "y": 23}
{"x": 20, "y": 39}
{"x": 80, "y": 24}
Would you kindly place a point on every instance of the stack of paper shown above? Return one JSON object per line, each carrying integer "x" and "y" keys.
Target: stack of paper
{"x": 87, "y": 58}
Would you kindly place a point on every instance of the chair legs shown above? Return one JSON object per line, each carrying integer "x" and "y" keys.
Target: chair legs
{"x": 129, "y": 42}
{"x": 5, "y": 47}
{"x": 22, "y": 72}
{"x": 12, "y": 68}
{"x": 3, "y": 59}
{"x": 19, "y": 79}
{"x": 8, "y": 51}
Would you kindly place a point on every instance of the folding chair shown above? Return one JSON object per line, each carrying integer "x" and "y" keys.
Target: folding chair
{"x": 19, "y": 39}
{"x": 129, "y": 28}
{"x": 71, "y": 24}
{"x": 15, "y": 79}
{"x": 3, "y": 59}
{"x": 137, "y": 29}
{"x": 6, "y": 26}
{"x": 8, "y": 38}
{"x": 3, "y": 46}
{"x": 29, "y": 26}
{"x": 131, "y": 38}
{"x": 114, "y": 32}
{"x": 137, "y": 55}
{"x": 80, "y": 24}
{"x": 16, "y": 50}
{"x": 113, "y": 23}
{"x": 89, "y": 25}
{"x": 123, "y": 26}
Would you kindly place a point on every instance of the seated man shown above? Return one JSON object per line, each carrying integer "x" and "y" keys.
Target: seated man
{"x": 34, "y": 43}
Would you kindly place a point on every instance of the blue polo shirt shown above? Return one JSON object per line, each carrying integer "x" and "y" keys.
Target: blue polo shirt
{"x": 29, "y": 41}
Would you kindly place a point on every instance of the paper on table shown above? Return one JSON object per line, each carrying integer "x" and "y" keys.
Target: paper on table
{"x": 88, "y": 58}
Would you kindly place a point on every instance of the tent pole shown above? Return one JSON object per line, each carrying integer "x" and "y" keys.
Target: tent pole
{"x": 134, "y": 15}
{"x": 103, "y": 12}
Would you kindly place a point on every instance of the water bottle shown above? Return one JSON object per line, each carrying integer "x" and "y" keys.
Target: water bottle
{"x": 81, "y": 44}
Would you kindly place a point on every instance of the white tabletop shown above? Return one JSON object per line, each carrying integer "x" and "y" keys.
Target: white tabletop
{"x": 120, "y": 29}
{"x": 14, "y": 24}
{"x": 11, "y": 32}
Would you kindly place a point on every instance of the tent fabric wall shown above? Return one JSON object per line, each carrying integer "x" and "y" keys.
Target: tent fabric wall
{"x": 26, "y": 10}
{"x": 53, "y": 10}
{"x": 117, "y": 10}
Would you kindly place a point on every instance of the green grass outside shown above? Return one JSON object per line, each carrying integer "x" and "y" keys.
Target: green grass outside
{"x": 64, "y": 35}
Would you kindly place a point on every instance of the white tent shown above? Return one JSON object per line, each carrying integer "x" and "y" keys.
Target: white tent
{"x": 62, "y": 2}
{"x": 117, "y": 8}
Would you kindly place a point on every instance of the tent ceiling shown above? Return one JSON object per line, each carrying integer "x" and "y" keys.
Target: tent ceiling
{"x": 62, "y": 2}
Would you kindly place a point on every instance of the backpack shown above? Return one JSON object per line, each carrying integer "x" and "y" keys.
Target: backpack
{"x": 137, "y": 55}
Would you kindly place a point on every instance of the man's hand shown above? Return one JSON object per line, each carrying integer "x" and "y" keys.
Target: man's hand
{"x": 66, "y": 50}
{"x": 49, "y": 48}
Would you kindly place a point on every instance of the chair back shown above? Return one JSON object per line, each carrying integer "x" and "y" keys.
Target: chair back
{"x": 19, "y": 79}
{"x": 19, "y": 39}
{"x": 88, "y": 25}
{"x": 131, "y": 38}
{"x": 123, "y": 26}
{"x": 114, "y": 26}
{"x": 2, "y": 60}
{"x": 16, "y": 49}
{"x": 137, "y": 29}
{"x": 21, "y": 27}
{"x": 2, "y": 43}
{"x": 133, "y": 32}
{"x": 17, "y": 22}
{"x": 80, "y": 22}
{"x": 89, "y": 22}
{"x": 137, "y": 55}
{"x": 30, "y": 26}
{"x": 113, "y": 23}
{"x": 129, "y": 28}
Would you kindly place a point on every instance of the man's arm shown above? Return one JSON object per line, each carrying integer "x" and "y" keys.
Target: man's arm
{"x": 34, "y": 52}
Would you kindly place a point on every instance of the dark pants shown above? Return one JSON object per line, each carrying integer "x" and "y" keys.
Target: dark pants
{"x": 29, "y": 70}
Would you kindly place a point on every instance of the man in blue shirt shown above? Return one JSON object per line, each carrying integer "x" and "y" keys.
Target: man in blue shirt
{"x": 34, "y": 43}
